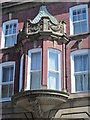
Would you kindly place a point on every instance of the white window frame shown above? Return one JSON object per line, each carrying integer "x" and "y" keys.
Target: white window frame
{"x": 5, "y": 64}
{"x": 36, "y": 50}
{"x": 77, "y": 52}
{"x": 71, "y": 17}
{"x": 21, "y": 73}
{"x": 3, "y": 32}
{"x": 59, "y": 67}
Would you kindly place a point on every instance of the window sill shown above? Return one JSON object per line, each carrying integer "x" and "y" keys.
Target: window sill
{"x": 79, "y": 35}
{"x": 6, "y": 48}
{"x": 5, "y": 99}
{"x": 80, "y": 95}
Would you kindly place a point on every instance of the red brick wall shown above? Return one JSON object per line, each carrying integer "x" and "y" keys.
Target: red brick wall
{"x": 12, "y": 55}
{"x": 61, "y": 13}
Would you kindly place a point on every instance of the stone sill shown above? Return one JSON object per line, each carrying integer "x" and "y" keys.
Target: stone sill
{"x": 78, "y": 35}
{"x": 79, "y": 95}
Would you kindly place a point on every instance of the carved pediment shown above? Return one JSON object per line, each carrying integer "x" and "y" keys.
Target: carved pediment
{"x": 44, "y": 24}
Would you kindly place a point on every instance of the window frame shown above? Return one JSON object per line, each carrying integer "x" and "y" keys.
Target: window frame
{"x": 21, "y": 73}
{"x": 75, "y": 53}
{"x": 71, "y": 18}
{"x": 36, "y": 50}
{"x": 59, "y": 68}
{"x": 3, "y": 32}
{"x": 6, "y": 64}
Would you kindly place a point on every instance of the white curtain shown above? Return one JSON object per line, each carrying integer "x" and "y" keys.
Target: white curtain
{"x": 36, "y": 61}
{"x": 81, "y": 79}
{"x": 81, "y": 82}
{"x": 53, "y": 61}
{"x": 7, "y": 77}
{"x": 85, "y": 63}
{"x": 53, "y": 75}
{"x": 35, "y": 65}
{"x": 78, "y": 63}
{"x": 53, "y": 81}
{"x": 81, "y": 63}
{"x": 85, "y": 82}
{"x": 35, "y": 80}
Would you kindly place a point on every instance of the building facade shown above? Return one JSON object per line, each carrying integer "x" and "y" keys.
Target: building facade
{"x": 44, "y": 60}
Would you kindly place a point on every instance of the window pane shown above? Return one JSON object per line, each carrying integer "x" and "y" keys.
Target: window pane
{"x": 14, "y": 37}
{"x": 10, "y": 90}
{"x": 10, "y": 40}
{"x": 85, "y": 63}
{"x": 53, "y": 61}
{"x": 85, "y": 77}
{"x": 4, "y": 91}
{"x": 7, "y": 41}
{"x": 36, "y": 61}
{"x": 53, "y": 81}
{"x": 84, "y": 26}
{"x": 10, "y": 29}
{"x": 14, "y": 28}
{"x": 7, "y": 30}
{"x": 5, "y": 74}
{"x": 81, "y": 82}
{"x": 74, "y": 12}
{"x": 75, "y": 18}
{"x": 7, "y": 26}
{"x": 84, "y": 16}
{"x": 83, "y": 10}
{"x": 79, "y": 11}
{"x": 80, "y": 17}
{"x": 81, "y": 63}
{"x": 11, "y": 73}
{"x": 77, "y": 28}
{"x": 78, "y": 63}
{"x": 35, "y": 80}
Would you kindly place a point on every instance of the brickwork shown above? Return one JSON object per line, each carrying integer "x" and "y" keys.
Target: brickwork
{"x": 61, "y": 12}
